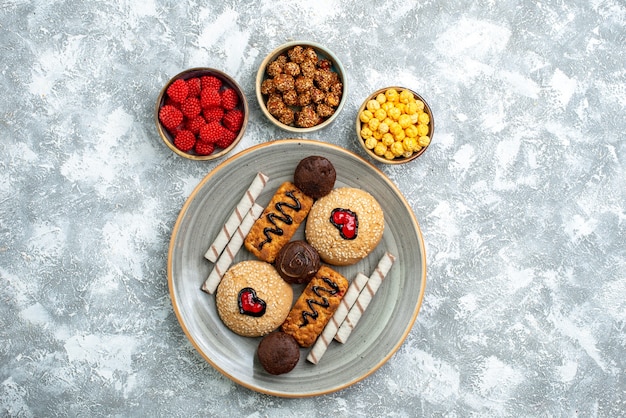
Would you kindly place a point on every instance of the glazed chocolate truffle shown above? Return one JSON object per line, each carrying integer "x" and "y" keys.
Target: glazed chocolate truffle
{"x": 297, "y": 262}
{"x": 315, "y": 176}
{"x": 278, "y": 353}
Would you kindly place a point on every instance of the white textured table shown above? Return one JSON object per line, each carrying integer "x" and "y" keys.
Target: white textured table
{"x": 521, "y": 199}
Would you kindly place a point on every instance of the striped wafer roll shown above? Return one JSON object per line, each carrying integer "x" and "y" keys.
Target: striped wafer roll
{"x": 227, "y": 257}
{"x": 235, "y": 219}
{"x": 365, "y": 297}
{"x": 320, "y": 346}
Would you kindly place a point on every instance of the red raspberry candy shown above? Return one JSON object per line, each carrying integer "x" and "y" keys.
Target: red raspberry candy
{"x": 233, "y": 119}
{"x": 169, "y": 102}
{"x": 170, "y": 117}
{"x": 226, "y": 139}
{"x": 213, "y": 113}
{"x": 204, "y": 148}
{"x": 230, "y": 99}
{"x": 178, "y": 90}
{"x": 185, "y": 140}
{"x": 191, "y": 107}
{"x": 195, "y": 124}
{"x": 212, "y": 132}
{"x": 195, "y": 85}
{"x": 210, "y": 98}
{"x": 173, "y": 132}
{"x": 211, "y": 82}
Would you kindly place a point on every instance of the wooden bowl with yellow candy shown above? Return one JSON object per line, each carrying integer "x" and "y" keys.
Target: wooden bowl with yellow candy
{"x": 395, "y": 125}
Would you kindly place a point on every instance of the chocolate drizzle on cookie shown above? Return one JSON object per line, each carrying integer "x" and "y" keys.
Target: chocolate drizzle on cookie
{"x": 285, "y": 218}
{"x": 322, "y": 301}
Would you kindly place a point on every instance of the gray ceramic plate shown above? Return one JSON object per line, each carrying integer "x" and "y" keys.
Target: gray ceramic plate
{"x": 383, "y": 327}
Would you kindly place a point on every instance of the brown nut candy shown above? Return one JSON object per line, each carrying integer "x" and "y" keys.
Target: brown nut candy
{"x": 302, "y": 81}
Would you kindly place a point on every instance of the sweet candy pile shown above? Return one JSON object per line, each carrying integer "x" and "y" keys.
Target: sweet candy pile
{"x": 301, "y": 90}
{"x": 394, "y": 124}
{"x": 201, "y": 114}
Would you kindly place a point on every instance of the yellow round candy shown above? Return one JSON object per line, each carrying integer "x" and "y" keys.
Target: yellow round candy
{"x": 407, "y": 154}
{"x": 424, "y": 141}
{"x": 424, "y": 118}
{"x": 388, "y": 139}
{"x": 397, "y": 148}
{"x": 411, "y": 131}
{"x": 373, "y": 124}
{"x": 399, "y": 136}
{"x": 395, "y": 127}
{"x": 420, "y": 105}
{"x": 410, "y": 108}
{"x": 377, "y": 134}
{"x": 383, "y": 128}
{"x": 392, "y": 95}
{"x": 409, "y": 143}
{"x": 404, "y": 121}
{"x": 389, "y": 155}
{"x": 365, "y": 116}
{"x": 372, "y": 105}
{"x": 366, "y": 132}
{"x": 381, "y": 98}
{"x": 380, "y": 149}
{"x": 405, "y": 96}
{"x": 422, "y": 130}
{"x": 371, "y": 142}
{"x": 414, "y": 118}
{"x": 380, "y": 114}
{"x": 386, "y": 106}
{"x": 394, "y": 113}
{"x": 400, "y": 106}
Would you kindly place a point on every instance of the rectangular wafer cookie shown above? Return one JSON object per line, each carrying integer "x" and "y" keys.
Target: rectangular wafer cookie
{"x": 315, "y": 306}
{"x": 278, "y": 222}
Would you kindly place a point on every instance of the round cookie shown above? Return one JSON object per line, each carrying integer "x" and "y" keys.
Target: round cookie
{"x": 252, "y": 299}
{"x": 345, "y": 226}
{"x": 315, "y": 176}
{"x": 297, "y": 262}
{"x": 278, "y": 353}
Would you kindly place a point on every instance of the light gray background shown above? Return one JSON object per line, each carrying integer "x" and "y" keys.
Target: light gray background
{"x": 520, "y": 198}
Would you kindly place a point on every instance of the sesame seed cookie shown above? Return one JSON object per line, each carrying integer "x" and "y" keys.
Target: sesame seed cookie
{"x": 345, "y": 226}
{"x": 252, "y": 299}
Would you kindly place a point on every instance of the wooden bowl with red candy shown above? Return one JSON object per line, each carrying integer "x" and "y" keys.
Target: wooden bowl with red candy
{"x": 201, "y": 113}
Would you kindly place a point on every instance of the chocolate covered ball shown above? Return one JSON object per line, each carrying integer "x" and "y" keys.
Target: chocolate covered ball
{"x": 278, "y": 353}
{"x": 297, "y": 262}
{"x": 315, "y": 176}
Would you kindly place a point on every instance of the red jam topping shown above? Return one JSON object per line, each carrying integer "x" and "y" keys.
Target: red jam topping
{"x": 346, "y": 222}
{"x": 249, "y": 303}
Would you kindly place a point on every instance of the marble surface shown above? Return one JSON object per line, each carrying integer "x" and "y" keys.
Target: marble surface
{"x": 520, "y": 198}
